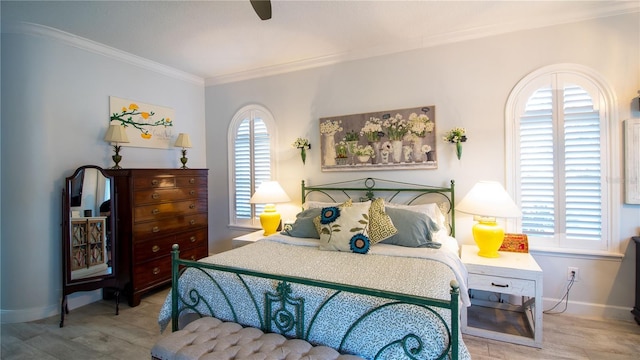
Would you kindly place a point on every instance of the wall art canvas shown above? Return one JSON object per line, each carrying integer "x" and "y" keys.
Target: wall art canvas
{"x": 382, "y": 140}
{"x": 147, "y": 125}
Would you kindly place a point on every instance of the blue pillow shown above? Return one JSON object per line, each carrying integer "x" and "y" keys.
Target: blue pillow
{"x": 414, "y": 229}
{"x": 303, "y": 227}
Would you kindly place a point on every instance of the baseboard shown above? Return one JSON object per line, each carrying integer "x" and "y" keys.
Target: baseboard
{"x": 590, "y": 310}
{"x": 25, "y": 315}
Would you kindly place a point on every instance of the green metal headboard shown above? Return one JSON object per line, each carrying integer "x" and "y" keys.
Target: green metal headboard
{"x": 367, "y": 189}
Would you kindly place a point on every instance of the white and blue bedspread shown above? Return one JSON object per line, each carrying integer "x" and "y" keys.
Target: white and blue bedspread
{"x": 423, "y": 272}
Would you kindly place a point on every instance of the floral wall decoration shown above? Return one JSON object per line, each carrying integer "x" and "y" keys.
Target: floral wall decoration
{"x": 303, "y": 145}
{"x": 456, "y": 136}
{"x": 146, "y": 125}
{"x": 384, "y": 140}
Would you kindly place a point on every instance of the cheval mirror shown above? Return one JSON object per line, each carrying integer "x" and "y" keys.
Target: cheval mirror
{"x": 88, "y": 236}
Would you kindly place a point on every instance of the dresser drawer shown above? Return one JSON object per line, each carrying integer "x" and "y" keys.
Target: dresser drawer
{"x": 145, "y": 230}
{"x": 165, "y": 210}
{"x": 190, "y": 181}
{"x": 161, "y": 246}
{"x": 502, "y": 285}
{"x": 159, "y": 270}
{"x": 153, "y": 181}
{"x": 153, "y": 196}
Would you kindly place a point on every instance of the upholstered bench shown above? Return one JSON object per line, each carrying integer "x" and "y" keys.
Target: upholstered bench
{"x": 210, "y": 338}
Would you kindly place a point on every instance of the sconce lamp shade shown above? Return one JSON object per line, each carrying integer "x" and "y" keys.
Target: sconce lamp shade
{"x": 183, "y": 141}
{"x": 269, "y": 193}
{"x": 116, "y": 134}
{"x": 488, "y": 200}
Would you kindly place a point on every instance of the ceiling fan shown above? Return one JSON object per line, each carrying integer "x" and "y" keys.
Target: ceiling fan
{"x": 262, "y": 8}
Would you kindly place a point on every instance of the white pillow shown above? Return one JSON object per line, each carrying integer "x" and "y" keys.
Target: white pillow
{"x": 432, "y": 210}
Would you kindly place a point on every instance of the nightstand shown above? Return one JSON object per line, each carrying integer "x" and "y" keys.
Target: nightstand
{"x": 247, "y": 238}
{"x": 513, "y": 274}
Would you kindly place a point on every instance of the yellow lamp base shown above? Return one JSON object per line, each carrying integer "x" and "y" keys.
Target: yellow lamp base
{"x": 270, "y": 219}
{"x": 488, "y": 236}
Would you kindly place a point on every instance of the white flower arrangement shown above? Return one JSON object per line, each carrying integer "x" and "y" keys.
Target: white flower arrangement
{"x": 365, "y": 150}
{"x": 455, "y": 135}
{"x": 372, "y": 129}
{"x": 396, "y": 127}
{"x": 330, "y": 127}
{"x": 386, "y": 146}
{"x": 301, "y": 143}
{"x": 426, "y": 148}
{"x": 420, "y": 125}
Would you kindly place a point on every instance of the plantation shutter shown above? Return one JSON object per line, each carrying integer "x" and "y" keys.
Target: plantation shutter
{"x": 560, "y": 164}
{"x": 252, "y": 156}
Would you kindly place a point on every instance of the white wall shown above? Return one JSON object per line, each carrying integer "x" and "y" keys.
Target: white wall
{"x": 469, "y": 83}
{"x": 55, "y": 113}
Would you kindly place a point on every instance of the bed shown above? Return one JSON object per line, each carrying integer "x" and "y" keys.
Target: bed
{"x": 379, "y": 297}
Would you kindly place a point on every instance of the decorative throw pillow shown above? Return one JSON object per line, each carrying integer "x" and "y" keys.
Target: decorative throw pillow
{"x": 344, "y": 229}
{"x": 414, "y": 229}
{"x": 380, "y": 224}
{"x": 303, "y": 227}
{"x": 432, "y": 210}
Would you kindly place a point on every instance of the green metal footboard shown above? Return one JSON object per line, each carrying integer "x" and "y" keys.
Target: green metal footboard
{"x": 284, "y": 313}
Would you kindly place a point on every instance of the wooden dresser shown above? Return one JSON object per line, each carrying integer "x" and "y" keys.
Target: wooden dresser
{"x": 155, "y": 209}
{"x": 636, "y": 308}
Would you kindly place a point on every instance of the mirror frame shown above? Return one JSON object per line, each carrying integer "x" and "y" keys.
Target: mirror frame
{"x": 88, "y": 283}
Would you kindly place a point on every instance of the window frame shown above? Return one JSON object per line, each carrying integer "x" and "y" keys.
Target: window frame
{"x": 251, "y": 111}
{"x": 610, "y": 135}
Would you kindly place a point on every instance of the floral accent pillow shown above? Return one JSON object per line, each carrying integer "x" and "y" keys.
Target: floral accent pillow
{"x": 353, "y": 228}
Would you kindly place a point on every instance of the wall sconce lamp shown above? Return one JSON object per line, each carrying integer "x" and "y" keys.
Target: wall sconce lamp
{"x": 488, "y": 200}
{"x": 116, "y": 134}
{"x": 184, "y": 142}
{"x": 269, "y": 193}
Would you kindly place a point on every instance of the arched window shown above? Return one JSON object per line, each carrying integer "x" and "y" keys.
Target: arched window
{"x": 558, "y": 123}
{"x": 251, "y": 161}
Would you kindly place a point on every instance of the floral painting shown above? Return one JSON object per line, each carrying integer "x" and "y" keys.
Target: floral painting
{"x": 146, "y": 125}
{"x": 384, "y": 140}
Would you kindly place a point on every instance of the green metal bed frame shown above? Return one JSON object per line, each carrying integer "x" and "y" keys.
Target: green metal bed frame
{"x": 283, "y": 312}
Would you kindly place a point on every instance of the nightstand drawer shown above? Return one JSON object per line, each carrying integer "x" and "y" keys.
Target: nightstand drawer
{"x": 502, "y": 285}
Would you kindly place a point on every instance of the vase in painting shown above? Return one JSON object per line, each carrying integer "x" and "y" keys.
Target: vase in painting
{"x": 364, "y": 158}
{"x": 376, "y": 151}
{"x": 351, "y": 148}
{"x": 396, "y": 150}
{"x": 329, "y": 150}
{"x": 417, "y": 149}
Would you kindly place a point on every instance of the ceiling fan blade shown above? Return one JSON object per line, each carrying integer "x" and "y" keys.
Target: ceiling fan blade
{"x": 262, "y": 8}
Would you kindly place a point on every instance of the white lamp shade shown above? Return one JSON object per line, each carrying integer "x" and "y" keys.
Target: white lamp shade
{"x": 116, "y": 134}
{"x": 183, "y": 141}
{"x": 269, "y": 192}
{"x": 489, "y": 199}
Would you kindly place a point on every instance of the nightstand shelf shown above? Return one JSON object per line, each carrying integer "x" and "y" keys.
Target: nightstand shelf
{"x": 513, "y": 274}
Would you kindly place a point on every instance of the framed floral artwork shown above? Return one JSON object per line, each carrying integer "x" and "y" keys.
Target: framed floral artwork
{"x": 146, "y": 125}
{"x": 382, "y": 140}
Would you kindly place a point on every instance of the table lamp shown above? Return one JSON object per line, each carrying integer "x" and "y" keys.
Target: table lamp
{"x": 116, "y": 134}
{"x": 269, "y": 193}
{"x": 488, "y": 200}
{"x": 184, "y": 142}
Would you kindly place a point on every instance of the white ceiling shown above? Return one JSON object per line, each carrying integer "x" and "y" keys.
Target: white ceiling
{"x": 222, "y": 41}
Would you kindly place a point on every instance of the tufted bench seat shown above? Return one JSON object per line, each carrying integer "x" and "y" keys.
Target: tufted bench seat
{"x": 212, "y": 339}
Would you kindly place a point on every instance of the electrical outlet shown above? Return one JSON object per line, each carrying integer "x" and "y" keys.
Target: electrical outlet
{"x": 572, "y": 273}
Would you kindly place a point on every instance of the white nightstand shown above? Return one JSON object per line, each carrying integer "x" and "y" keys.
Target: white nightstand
{"x": 512, "y": 274}
{"x": 247, "y": 238}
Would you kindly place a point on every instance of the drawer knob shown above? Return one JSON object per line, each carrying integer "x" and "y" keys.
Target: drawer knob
{"x": 155, "y": 248}
{"x": 500, "y": 285}
{"x": 192, "y": 192}
{"x": 192, "y": 222}
{"x": 155, "y": 229}
{"x": 192, "y": 239}
{"x": 154, "y": 182}
{"x": 155, "y": 211}
{"x": 192, "y": 181}
{"x": 192, "y": 206}
{"x": 155, "y": 196}
{"x": 156, "y": 271}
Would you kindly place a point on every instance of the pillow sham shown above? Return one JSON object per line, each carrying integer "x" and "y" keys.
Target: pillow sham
{"x": 303, "y": 227}
{"x": 432, "y": 210}
{"x": 414, "y": 229}
{"x": 380, "y": 224}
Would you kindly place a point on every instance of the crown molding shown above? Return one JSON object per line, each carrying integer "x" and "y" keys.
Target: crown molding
{"x": 97, "y": 48}
{"x": 613, "y": 9}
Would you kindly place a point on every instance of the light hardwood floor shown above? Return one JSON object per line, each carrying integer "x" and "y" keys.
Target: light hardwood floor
{"x": 94, "y": 332}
